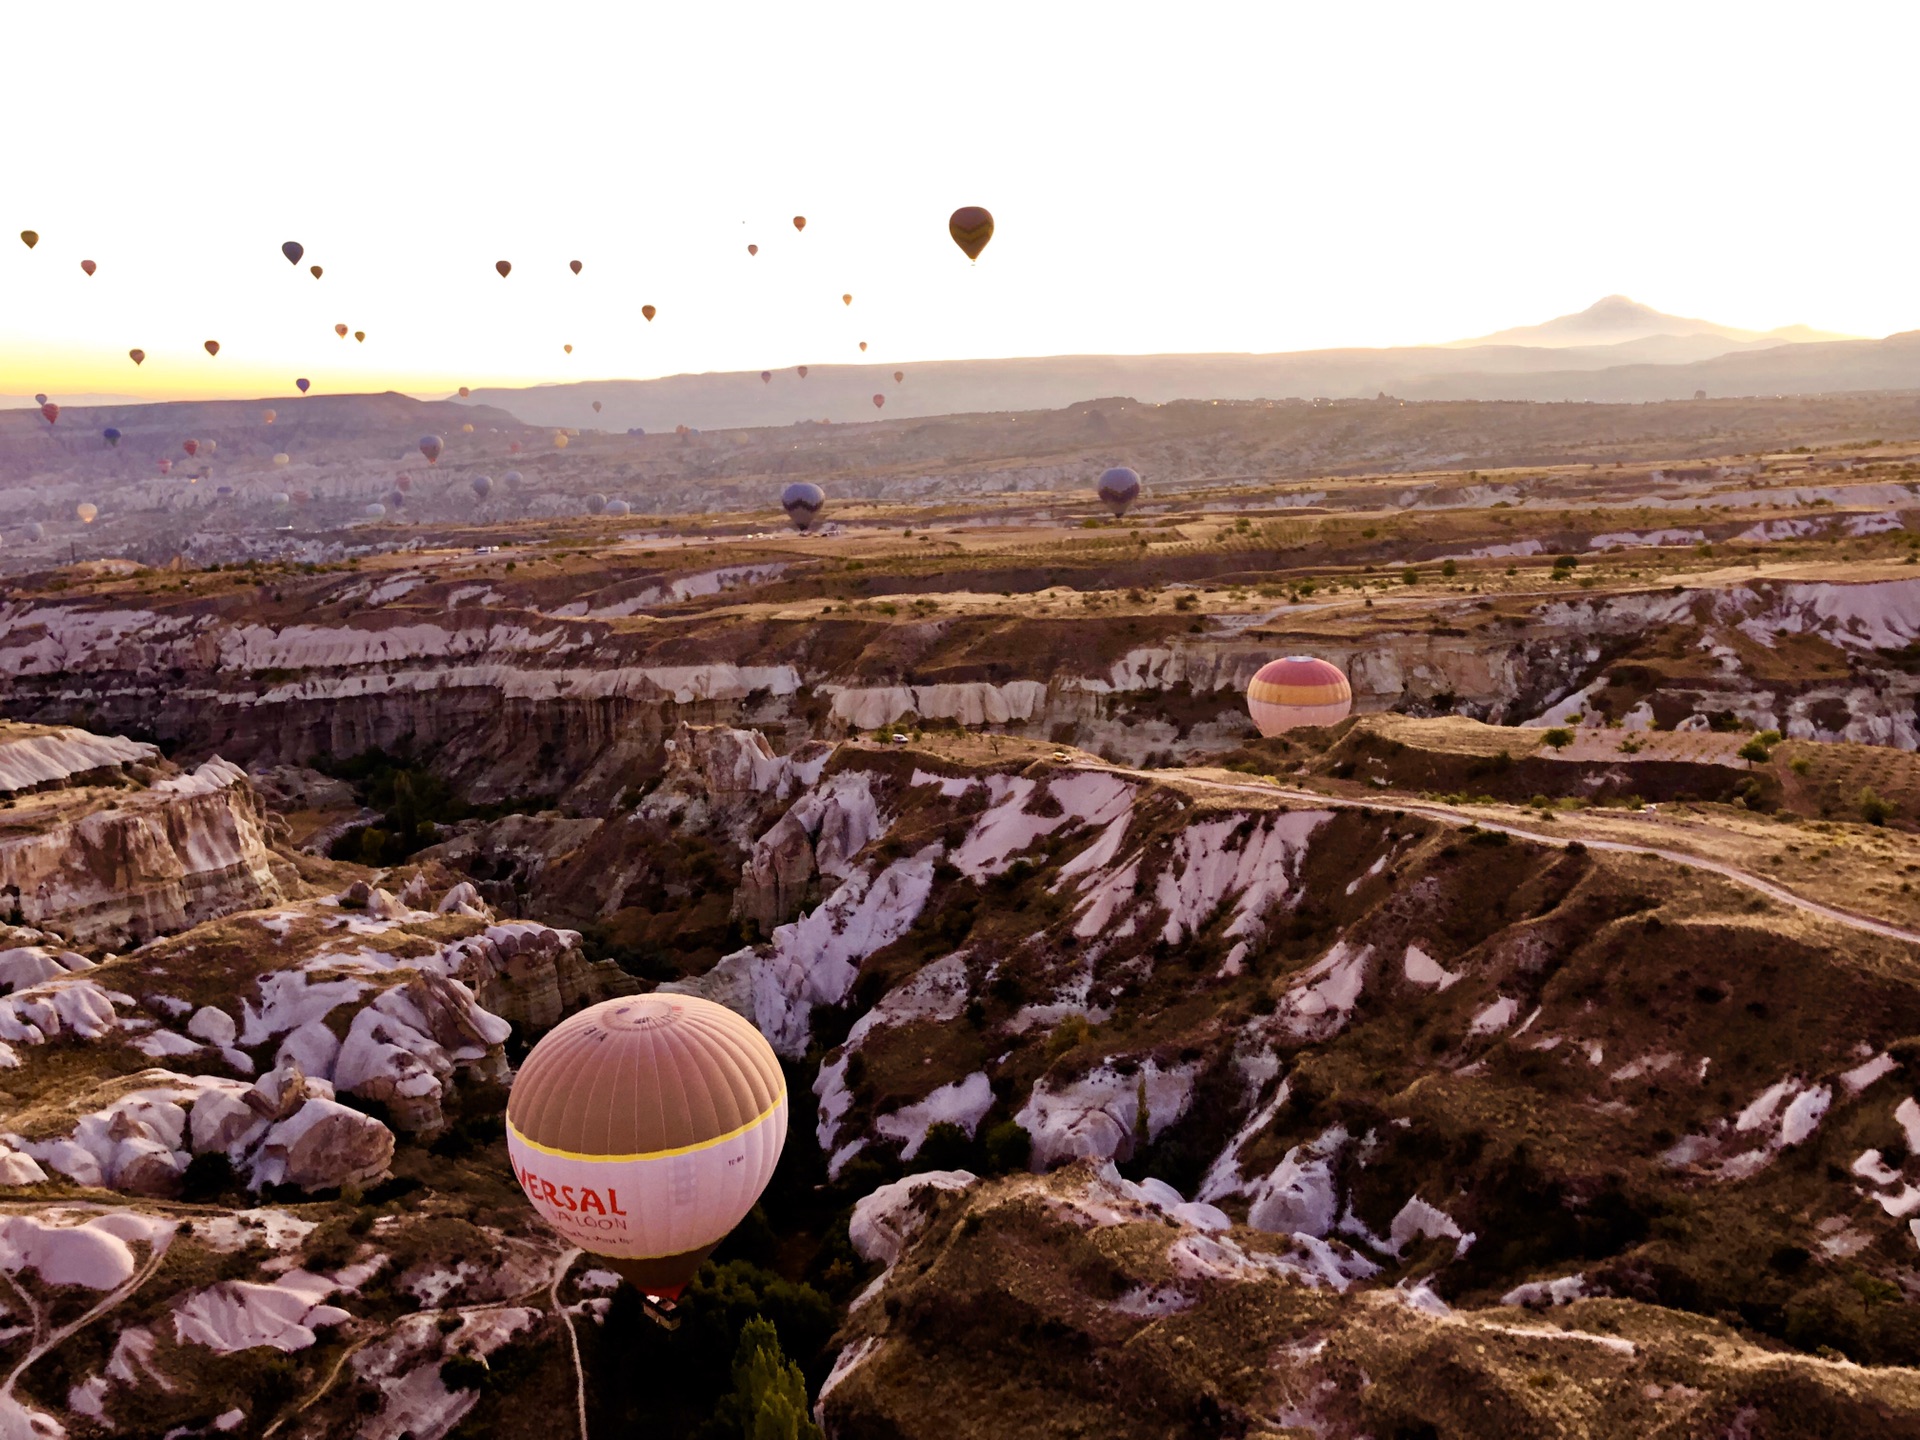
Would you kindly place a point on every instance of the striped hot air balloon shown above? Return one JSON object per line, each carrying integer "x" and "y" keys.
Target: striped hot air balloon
{"x": 644, "y": 1129}
{"x": 1299, "y": 690}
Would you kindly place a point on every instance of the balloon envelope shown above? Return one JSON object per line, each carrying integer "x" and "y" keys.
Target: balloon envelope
{"x": 482, "y": 486}
{"x": 192, "y": 447}
{"x": 301, "y": 385}
{"x": 464, "y": 392}
{"x": 596, "y": 504}
{"x": 803, "y": 372}
{"x": 753, "y": 249}
{"x": 1299, "y": 690}
{"x": 34, "y": 530}
{"x": 467, "y": 429}
{"x": 110, "y": 435}
{"x": 898, "y": 376}
{"x": 374, "y": 511}
{"x": 293, "y": 250}
{"x": 799, "y": 222}
{"x": 360, "y": 336}
{"x": 282, "y": 459}
{"x": 30, "y": 238}
{"x": 136, "y": 356}
{"x": 51, "y": 411}
{"x": 86, "y": 512}
{"x": 648, "y": 311}
{"x": 317, "y": 271}
{"x": 559, "y": 442}
{"x": 165, "y": 466}
{"x": 514, "y": 478}
{"x": 878, "y": 401}
{"x": 643, "y": 1130}
{"x": 341, "y": 331}
{"x": 271, "y": 416}
{"x": 504, "y": 267}
{"x": 619, "y": 507}
{"x": 431, "y": 446}
{"x": 971, "y": 228}
{"x": 1118, "y": 488}
{"x": 596, "y": 407}
{"x": 212, "y": 347}
{"x": 766, "y": 377}
{"x": 574, "y": 265}
{"x": 88, "y": 266}
{"x": 803, "y": 502}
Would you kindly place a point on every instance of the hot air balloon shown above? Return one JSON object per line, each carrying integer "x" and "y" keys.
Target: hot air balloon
{"x": 803, "y": 372}
{"x": 596, "y": 407}
{"x": 971, "y": 228}
{"x": 34, "y": 530}
{"x": 898, "y": 376}
{"x": 166, "y": 466}
{"x": 111, "y": 436}
{"x": 1299, "y": 690}
{"x": 39, "y": 399}
{"x": 574, "y": 265}
{"x": 280, "y": 497}
{"x": 374, "y": 511}
{"x": 431, "y": 446}
{"x": 341, "y": 331}
{"x": 648, "y": 311}
{"x": 302, "y": 497}
{"x": 567, "y": 348}
{"x": 799, "y": 222}
{"x": 360, "y": 336}
{"x": 514, "y": 479}
{"x": 766, "y": 377}
{"x": 282, "y": 459}
{"x": 404, "y": 481}
{"x": 753, "y": 249}
{"x": 86, "y": 512}
{"x": 596, "y": 504}
{"x": 609, "y": 1142}
{"x": 301, "y": 385}
{"x": 396, "y": 499}
{"x": 270, "y": 416}
{"x": 192, "y": 447}
{"x": 464, "y": 392}
{"x": 30, "y": 238}
{"x": 619, "y": 507}
{"x": 293, "y": 250}
{"x": 224, "y": 490}
{"x": 846, "y": 299}
{"x": 482, "y": 486}
{"x": 513, "y": 447}
{"x": 504, "y": 267}
{"x": 88, "y": 266}
{"x": 212, "y": 347}
{"x": 559, "y": 442}
{"x": 1118, "y": 488}
{"x": 210, "y": 446}
{"x": 863, "y": 347}
{"x": 317, "y": 271}
{"x": 51, "y": 411}
{"x": 803, "y": 503}
{"x": 467, "y": 429}
{"x": 136, "y": 356}
{"x": 878, "y": 401}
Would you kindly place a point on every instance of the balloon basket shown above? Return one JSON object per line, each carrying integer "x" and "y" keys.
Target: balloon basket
{"x": 662, "y": 1311}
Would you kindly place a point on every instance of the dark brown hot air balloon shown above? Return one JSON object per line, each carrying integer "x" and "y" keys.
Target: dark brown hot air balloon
{"x": 644, "y": 1129}
{"x": 863, "y": 347}
{"x": 898, "y": 376}
{"x": 212, "y": 347}
{"x": 799, "y": 222}
{"x": 648, "y": 311}
{"x": 766, "y": 377}
{"x": 317, "y": 271}
{"x": 753, "y": 249}
{"x": 878, "y": 401}
{"x": 30, "y": 238}
{"x": 505, "y": 267}
{"x": 88, "y": 266}
{"x": 596, "y": 407}
{"x": 360, "y": 336}
{"x": 464, "y": 392}
{"x": 971, "y": 228}
{"x": 803, "y": 372}
{"x": 341, "y": 331}
{"x": 192, "y": 447}
{"x": 574, "y": 265}
{"x": 137, "y": 356}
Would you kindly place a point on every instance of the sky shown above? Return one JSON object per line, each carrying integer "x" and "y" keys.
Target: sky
{"x": 1199, "y": 177}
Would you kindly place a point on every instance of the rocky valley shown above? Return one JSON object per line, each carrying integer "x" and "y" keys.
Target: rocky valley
{"x": 1529, "y": 1054}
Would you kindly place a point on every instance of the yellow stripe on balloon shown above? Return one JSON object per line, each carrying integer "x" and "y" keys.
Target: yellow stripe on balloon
{"x": 695, "y": 1148}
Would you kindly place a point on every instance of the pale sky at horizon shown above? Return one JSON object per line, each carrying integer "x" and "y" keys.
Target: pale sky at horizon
{"x": 1190, "y": 178}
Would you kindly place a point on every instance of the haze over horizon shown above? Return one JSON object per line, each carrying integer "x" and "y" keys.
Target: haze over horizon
{"x": 1428, "y": 204}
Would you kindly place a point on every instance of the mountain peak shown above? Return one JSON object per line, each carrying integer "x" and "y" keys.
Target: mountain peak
{"x": 1620, "y": 319}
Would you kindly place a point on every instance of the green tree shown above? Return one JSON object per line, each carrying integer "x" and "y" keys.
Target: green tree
{"x": 1559, "y": 737}
{"x": 769, "y": 1396}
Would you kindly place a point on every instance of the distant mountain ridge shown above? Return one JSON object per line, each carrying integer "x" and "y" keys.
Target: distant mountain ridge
{"x": 1616, "y": 320}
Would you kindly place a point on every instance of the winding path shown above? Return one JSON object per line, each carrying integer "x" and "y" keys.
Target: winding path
{"x": 1451, "y": 815}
